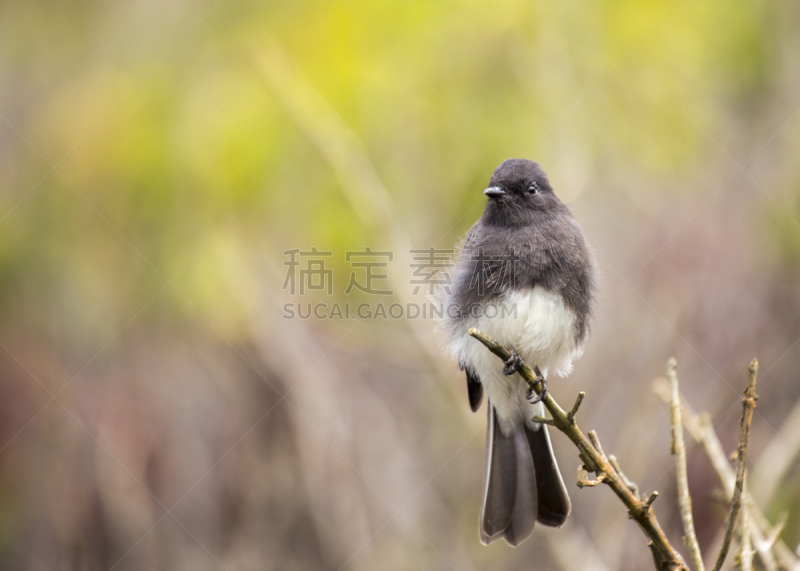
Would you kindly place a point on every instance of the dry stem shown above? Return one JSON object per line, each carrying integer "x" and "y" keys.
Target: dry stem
{"x": 748, "y": 405}
{"x": 765, "y": 535}
{"x": 679, "y": 450}
{"x": 745, "y": 555}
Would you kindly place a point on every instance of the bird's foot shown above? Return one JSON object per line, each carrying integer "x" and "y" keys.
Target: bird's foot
{"x": 513, "y": 364}
{"x": 542, "y": 382}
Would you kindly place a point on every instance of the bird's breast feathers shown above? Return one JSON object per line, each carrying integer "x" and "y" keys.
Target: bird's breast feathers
{"x": 534, "y": 321}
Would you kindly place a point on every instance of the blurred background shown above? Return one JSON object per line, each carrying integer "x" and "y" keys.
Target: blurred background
{"x": 158, "y": 408}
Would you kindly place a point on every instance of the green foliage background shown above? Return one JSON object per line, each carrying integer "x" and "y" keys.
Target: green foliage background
{"x": 157, "y": 159}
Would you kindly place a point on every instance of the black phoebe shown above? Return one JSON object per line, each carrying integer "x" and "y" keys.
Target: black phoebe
{"x": 526, "y": 277}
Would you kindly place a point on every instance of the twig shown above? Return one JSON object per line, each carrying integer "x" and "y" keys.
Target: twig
{"x": 748, "y": 405}
{"x": 787, "y": 558}
{"x": 665, "y": 556}
{"x": 699, "y": 427}
{"x": 631, "y": 485}
{"x": 679, "y": 450}
{"x": 595, "y": 440}
{"x": 745, "y": 555}
{"x": 648, "y": 501}
{"x": 571, "y": 414}
{"x": 775, "y": 533}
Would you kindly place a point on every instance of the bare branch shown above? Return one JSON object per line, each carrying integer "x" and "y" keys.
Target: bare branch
{"x": 679, "y": 450}
{"x": 748, "y": 405}
{"x": 745, "y": 556}
{"x": 596, "y": 443}
{"x": 571, "y": 414}
{"x": 700, "y": 428}
{"x": 665, "y": 556}
{"x": 775, "y": 533}
{"x": 649, "y": 500}
{"x": 631, "y": 485}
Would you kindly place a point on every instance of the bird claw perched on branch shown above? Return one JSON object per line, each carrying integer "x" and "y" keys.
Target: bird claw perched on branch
{"x": 585, "y": 482}
{"x": 513, "y": 364}
{"x": 542, "y": 382}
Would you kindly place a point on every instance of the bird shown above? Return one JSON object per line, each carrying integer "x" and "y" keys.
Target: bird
{"x": 526, "y": 276}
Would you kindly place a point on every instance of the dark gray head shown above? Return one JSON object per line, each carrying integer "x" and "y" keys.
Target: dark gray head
{"x": 519, "y": 191}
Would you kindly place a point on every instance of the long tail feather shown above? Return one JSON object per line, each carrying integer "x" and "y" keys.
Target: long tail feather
{"x": 554, "y": 505}
{"x": 522, "y": 483}
{"x": 509, "y": 496}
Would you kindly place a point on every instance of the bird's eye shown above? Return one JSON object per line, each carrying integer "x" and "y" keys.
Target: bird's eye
{"x": 533, "y": 188}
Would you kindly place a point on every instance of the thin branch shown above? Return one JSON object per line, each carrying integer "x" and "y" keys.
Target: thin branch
{"x": 788, "y": 559}
{"x": 748, "y": 405}
{"x": 700, "y": 428}
{"x": 775, "y": 533}
{"x": 595, "y": 440}
{"x": 571, "y": 414}
{"x": 631, "y": 485}
{"x": 664, "y": 555}
{"x": 648, "y": 501}
{"x": 746, "y": 553}
{"x": 679, "y": 450}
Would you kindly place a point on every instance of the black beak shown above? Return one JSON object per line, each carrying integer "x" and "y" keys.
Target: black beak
{"x": 494, "y": 192}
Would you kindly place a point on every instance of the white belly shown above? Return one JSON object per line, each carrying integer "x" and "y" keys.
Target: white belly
{"x": 540, "y": 327}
